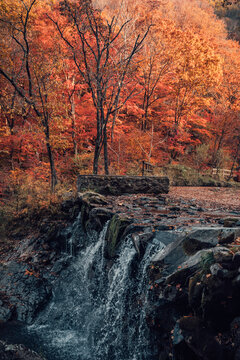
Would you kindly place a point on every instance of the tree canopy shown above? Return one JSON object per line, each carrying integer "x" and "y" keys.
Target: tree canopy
{"x": 99, "y": 86}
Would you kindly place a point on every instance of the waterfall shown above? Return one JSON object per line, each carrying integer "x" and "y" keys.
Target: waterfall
{"x": 98, "y": 308}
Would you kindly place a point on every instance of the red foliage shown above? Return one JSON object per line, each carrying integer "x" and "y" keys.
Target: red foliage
{"x": 184, "y": 85}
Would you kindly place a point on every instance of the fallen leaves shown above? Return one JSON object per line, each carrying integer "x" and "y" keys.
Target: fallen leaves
{"x": 31, "y": 273}
{"x": 28, "y": 272}
{"x": 225, "y": 199}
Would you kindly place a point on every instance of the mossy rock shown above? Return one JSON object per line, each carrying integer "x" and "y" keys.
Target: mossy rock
{"x": 92, "y": 197}
{"x": 114, "y": 234}
{"x": 206, "y": 261}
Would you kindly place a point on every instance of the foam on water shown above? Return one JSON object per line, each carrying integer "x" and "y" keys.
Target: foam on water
{"x": 97, "y": 313}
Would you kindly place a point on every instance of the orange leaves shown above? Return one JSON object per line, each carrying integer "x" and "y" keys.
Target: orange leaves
{"x": 28, "y": 272}
{"x": 185, "y": 81}
{"x": 31, "y": 273}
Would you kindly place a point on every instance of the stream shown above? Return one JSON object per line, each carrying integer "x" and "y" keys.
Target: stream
{"x": 98, "y": 309}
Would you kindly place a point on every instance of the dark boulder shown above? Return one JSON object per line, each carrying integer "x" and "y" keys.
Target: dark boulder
{"x": 22, "y": 291}
{"x": 140, "y": 241}
{"x": 5, "y": 313}
{"x": 88, "y": 202}
{"x": 192, "y": 340}
{"x": 98, "y": 217}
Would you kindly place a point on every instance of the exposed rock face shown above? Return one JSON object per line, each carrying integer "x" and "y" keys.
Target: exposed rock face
{"x": 196, "y": 280}
{"x": 93, "y": 214}
{"x": 118, "y": 185}
{"x": 23, "y": 292}
{"x": 17, "y": 352}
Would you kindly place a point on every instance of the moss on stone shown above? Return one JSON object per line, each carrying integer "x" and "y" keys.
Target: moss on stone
{"x": 92, "y": 197}
{"x": 114, "y": 234}
{"x": 206, "y": 261}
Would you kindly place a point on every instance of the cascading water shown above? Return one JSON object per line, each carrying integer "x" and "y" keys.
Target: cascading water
{"x": 98, "y": 309}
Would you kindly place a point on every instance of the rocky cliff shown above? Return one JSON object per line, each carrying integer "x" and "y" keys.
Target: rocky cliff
{"x": 189, "y": 289}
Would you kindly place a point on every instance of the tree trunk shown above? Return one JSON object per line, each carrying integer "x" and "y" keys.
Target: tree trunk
{"x": 234, "y": 160}
{"x": 213, "y": 159}
{"x": 105, "y": 148}
{"x": 96, "y": 158}
{"x": 73, "y": 111}
{"x": 218, "y": 146}
{"x": 75, "y": 147}
{"x": 54, "y": 179}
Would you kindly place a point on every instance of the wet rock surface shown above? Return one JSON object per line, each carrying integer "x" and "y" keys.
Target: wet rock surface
{"x": 202, "y": 291}
{"x": 114, "y": 235}
{"x": 17, "y": 352}
{"x": 195, "y": 278}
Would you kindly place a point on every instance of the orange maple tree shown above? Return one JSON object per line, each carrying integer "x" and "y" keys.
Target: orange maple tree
{"x": 112, "y": 83}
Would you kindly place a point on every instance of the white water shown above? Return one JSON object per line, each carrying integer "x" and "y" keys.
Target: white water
{"x": 98, "y": 313}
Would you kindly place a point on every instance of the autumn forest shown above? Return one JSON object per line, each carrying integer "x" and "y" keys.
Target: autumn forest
{"x": 100, "y": 86}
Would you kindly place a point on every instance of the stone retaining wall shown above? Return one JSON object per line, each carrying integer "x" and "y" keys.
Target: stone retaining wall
{"x": 118, "y": 185}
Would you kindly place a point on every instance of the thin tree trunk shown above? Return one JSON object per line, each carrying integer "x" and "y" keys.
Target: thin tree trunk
{"x": 72, "y": 101}
{"x": 151, "y": 145}
{"x": 96, "y": 158}
{"x": 219, "y": 146}
{"x": 213, "y": 160}
{"x": 234, "y": 160}
{"x": 12, "y": 148}
{"x": 75, "y": 147}
{"x": 97, "y": 149}
{"x": 54, "y": 179}
{"x": 105, "y": 148}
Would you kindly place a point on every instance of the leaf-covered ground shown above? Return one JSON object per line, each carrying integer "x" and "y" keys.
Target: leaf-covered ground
{"x": 208, "y": 197}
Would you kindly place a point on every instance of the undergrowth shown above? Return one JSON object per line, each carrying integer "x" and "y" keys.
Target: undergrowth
{"x": 182, "y": 175}
{"x": 25, "y": 200}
